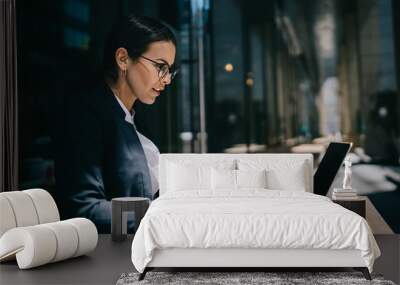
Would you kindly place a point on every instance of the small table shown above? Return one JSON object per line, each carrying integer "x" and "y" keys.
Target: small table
{"x": 120, "y": 209}
{"x": 357, "y": 206}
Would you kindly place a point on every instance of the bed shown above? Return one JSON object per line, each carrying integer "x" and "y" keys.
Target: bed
{"x": 245, "y": 211}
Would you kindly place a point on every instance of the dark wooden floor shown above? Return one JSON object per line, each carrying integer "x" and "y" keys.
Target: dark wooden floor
{"x": 106, "y": 264}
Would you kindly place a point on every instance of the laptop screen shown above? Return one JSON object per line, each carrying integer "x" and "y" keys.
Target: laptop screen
{"x": 329, "y": 166}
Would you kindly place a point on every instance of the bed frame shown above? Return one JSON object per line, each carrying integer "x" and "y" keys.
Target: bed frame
{"x": 259, "y": 259}
{"x": 244, "y": 259}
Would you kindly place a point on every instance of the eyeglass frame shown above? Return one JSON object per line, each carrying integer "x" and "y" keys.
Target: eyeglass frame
{"x": 171, "y": 69}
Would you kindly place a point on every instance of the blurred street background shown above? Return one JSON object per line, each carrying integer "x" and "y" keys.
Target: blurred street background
{"x": 255, "y": 77}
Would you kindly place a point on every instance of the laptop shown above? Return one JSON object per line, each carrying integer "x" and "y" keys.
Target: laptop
{"x": 329, "y": 166}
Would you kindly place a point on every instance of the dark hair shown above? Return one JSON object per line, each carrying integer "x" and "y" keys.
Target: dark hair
{"x": 135, "y": 34}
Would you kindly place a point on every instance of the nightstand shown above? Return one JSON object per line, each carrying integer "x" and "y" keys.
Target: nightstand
{"x": 357, "y": 206}
{"x": 119, "y": 209}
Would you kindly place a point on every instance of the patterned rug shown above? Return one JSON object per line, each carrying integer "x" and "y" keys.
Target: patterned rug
{"x": 242, "y": 278}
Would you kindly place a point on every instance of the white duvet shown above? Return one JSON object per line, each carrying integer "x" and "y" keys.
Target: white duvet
{"x": 250, "y": 219}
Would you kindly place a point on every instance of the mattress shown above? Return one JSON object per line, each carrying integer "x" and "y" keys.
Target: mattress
{"x": 251, "y": 219}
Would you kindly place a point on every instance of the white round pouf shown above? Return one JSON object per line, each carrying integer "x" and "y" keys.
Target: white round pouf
{"x": 45, "y": 205}
{"x": 33, "y": 246}
{"x": 30, "y": 230}
{"x": 87, "y": 235}
{"x": 7, "y": 218}
{"x": 67, "y": 240}
{"x": 23, "y": 208}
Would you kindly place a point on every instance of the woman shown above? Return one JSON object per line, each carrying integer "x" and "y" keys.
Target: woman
{"x": 101, "y": 154}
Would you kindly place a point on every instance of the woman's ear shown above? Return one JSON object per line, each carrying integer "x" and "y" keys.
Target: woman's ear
{"x": 121, "y": 58}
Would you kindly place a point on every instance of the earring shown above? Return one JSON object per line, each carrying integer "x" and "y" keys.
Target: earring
{"x": 124, "y": 72}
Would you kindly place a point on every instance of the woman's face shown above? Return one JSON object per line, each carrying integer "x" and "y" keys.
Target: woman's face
{"x": 142, "y": 75}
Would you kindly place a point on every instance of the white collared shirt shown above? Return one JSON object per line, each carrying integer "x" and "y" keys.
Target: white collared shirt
{"x": 150, "y": 149}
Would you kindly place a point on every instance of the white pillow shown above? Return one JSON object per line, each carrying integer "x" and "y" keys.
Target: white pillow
{"x": 228, "y": 179}
{"x": 285, "y": 174}
{"x": 293, "y": 180}
{"x": 251, "y": 178}
{"x": 188, "y": 177}
{"x": 223, "y": 179}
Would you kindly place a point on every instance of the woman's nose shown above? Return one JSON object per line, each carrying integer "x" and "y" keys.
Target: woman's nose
{"x": 167, "y": 79}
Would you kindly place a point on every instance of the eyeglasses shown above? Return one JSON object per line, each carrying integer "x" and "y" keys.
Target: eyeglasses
{"x": 163, "y": 68}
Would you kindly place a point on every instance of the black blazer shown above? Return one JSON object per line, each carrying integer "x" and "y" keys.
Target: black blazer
{"x": 98, "y": 156}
